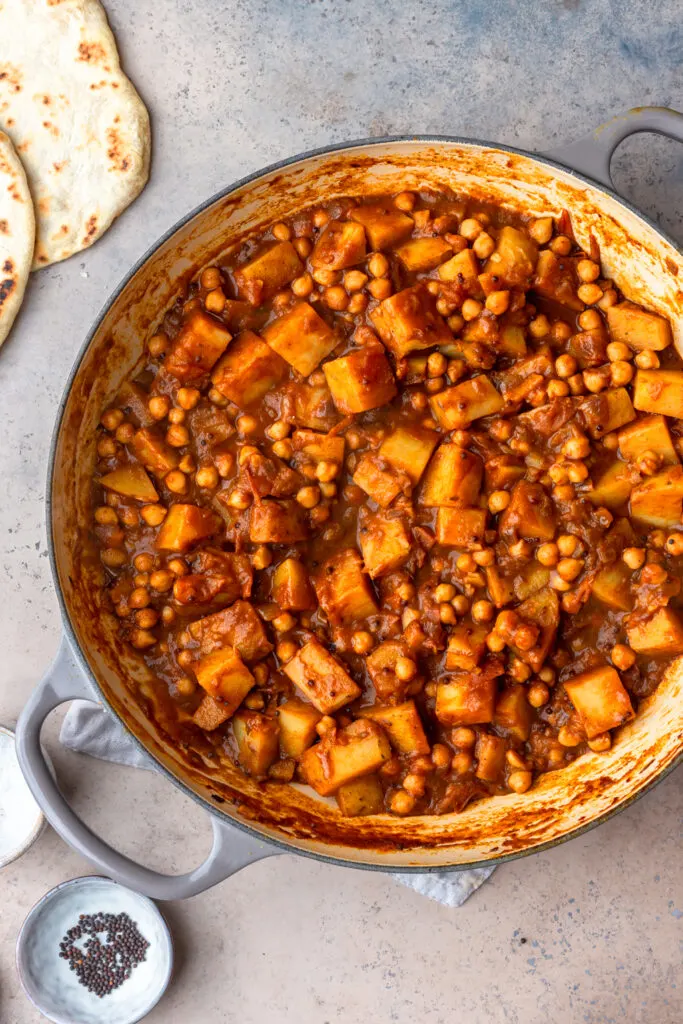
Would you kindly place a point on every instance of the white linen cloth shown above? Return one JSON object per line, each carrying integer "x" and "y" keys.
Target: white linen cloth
{"x": 89, "y": 728}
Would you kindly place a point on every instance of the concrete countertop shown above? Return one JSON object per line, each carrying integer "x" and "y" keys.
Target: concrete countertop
{"x": 590, "y": 932}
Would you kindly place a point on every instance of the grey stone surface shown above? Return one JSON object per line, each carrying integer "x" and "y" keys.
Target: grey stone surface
{"x": 590, "y": 932}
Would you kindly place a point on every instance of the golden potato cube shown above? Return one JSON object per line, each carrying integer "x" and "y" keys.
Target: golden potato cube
{"x": 467, "y": 699}
{"x": 612, "y": 586}
{"x": 453, "y": 478}
{"x": 531, "y": 579}
{"x": 458, "y": 406}
{"x": 384, "y": 225}
{"x": 359, "y": 749}
{"x": 662, "y": 633}
{"x": 590, "y": 347}
{"x": 637, "y": 328}
{"x": 556, "y": 279}
{"x": 600, "y": 699}
{"x": 512, "y": 341}
{"x": 184, "y": 526}
{"x": 466, "y": 646}
{"x": 291, "y": 587}
{"x": 490, "y": 752}
{"x": 341, "y": 245}
{"x": 385, "y": 543}
{"x": 513, "y": 713}
{"x": 238, "y": 626}
{"x": 131, "y": 482}
{"x": 501, "y": 588}
{"x": 614, "y": 486}
{"x": 501, "y": 471}
{"x": 530, "y": 514}
{"x": 408, "y": 321}
{"x": 463, "y": 268}
{"x": 301, "y": 337}
{"x": 310, "y": 406}
{"x": 379, "y": 479}
{"x": 381, "y": 666}
{"x": 514, "y": 258}
{"x": 318, "y": 447}
{"x": 153, "y": 452}
{"x": 658, "y": 500}
{"x": 650, "y": 434}
{"x": 343, "y": 589}
{"x": 423, "y": 253}
{"x": 361, "y": 380}
{"x": 607, "y": 411}
{"x": 408, "y": 449}
{"x": 321, "y": 678}
{"x": 257, "y": 742}
{"x": 277, "y": 522}
{"x": 659, "y": 391}
{"x": 248, "y": 370}
{"x": 361, "y": 797}
{"x": 403, "y": 726}
{"x": 210, "y": 714}
{"x": 269, "y": 271}
{"x": 513, "y": 381}
{"x": 225, "y": 677}
{"x": 198, "y": 347}
{"x": 297, "y": 723}
{"x": 461, "y": 527}
{"x": 542, "y": 609}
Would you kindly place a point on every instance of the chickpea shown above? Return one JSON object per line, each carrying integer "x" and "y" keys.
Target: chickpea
{"x": 153, "y": 515}
{"x": 538, "y": 694}
{"x": 483, "y": 246}
{"x": 139, "y": 598}
{"x": 653, "y": 574}
{"x": 570, "y": 568}
{"x": 357, "y": 303}
{"x": 557, "y": 389}
{"x": 567, "y": 544}
{"x": 362, "y": 642}
{"x": 144, "y": 562}
{"x": 146, "y": 618}
{"x": 210, "y": 278}
{"x": 414, "y": 784}
{"x": 106, "y": 516}
{"x": 436, "y": 364}
{"x": 111, "y": 419}
{"x": 215, "y": 301}
{"x": 520, "y": 782}
{"x": 326, "y": 471}
{"x": 456, "y": 322}
{"x": 168, "y": 615}
{"x": 595, "y": 380}
{"x": 485, "y": 557}
{"x": 141, "y": 638}
{"x": 540, "y": 327}
{"x": 561, "y": 331}
{"x": 587, "y": 271}
{"x": 600, "y": 743}
{"x": 561, "y": 245}
{"x": 177, "y": 436}
{"x": 240, "y": 498}
{"x": 462, "y": 762}
{"x": 303, "y": 246}
{"x": 565, "y": 366}
{"x": 498, "y": 302}
{"x": 355, "y": 280}
{"x": 284, "y": 622}
{"x": 482, "y": 611}
{"x": 466, "y": 563}
{"x": 178, "y": 566}
{"x": 577, "y": 472}
{"x": 308, "y": 496}
{"x": 405, "y": 201}
{"x": 622, "y": 657}
{"x": 161, "y": 580}
{"x": 402, "y": 802}
{"x": 617, "y": 351}
{"x": 622, "y": 373}
{"x": 321, "y": 218}
{"x": 216, "y": 398}
{"x": 590, "y": 320}
{"x": 176, "y": 481}
{"x": 262, "y": 557}
{"x": 541, "y": 230}
{"x": 106, "y": 447}
{"x": 405, "y": 669}
{"x": 495, "y": 642}
{"x": 521, "y": 549}
{"x": 246, "y": 424}
{"x": 447, "y": 614}
{"x": 548, "y": 554}
{"x": 157, "y": 345}
{"x": 185, "y": 686}
{"x": 463, "y": 737}
{"x": 557, "y": 583}
{"x": 589, "y": 293}
{"x": 378, "y": 265}
{"x": 302, "y": 286}
{"x": 674, "y": 544}
{"x": 113, "y": 558}
{"x": 471, "y": 309}
{"x": 380, "y": 288}
{"x": 567, "y": 737}
{"x": 336, "y": 298}
{"x": 471, "y": 228}
{"x": 285, "y": 651}
{"x": 647, "y": 361}
{"x": 441, "y": 755}
{"x": 461, "y": 604}
{"x": 185, "y": 659}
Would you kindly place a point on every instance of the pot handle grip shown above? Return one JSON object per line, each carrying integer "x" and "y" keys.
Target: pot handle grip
{"x": 231, "y": 850}
{"x": 592, "y": 154}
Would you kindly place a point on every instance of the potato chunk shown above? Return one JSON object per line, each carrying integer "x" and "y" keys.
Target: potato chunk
{"x": 458, "y": 406}
{"x": 408, "y": 321}
{"x": 359, "y": 749}
{"x": 238, "y": 626}
{"x": 277, "y": 522}
{"x": 301, "y": 337}
{"x": 556, "y": 279}
{"x": 466, "y": 646}
{"x": 423, "y": 253}
{"x": 513, "y": 713}
{"x": 466, "y": 699}
{"x": 291, "y": 588}
{"x": 321, "y": 678}
{"x": 269, "y": 271}
{"x": 225, "y": 677}
{"x": 530, "y": 514}
{"x": 650, "y": 434}
{"x": 343, "y": 589}
{"x": 637, "y": 328}
{"x": 543, "y": 610}
{"x": 210, "y": 714}
{"x": 381, "y": 666}
{"x": 662, "y": 633}
{"x": 600, "y": 699}
{"x": 198, "y": 347}
{"x": 408, "y": 449}
{"x": 341, "y": 245}
{"x": 131, "y": 482}
{"x": 310, "y": 406}
{"x": 403, "y": 726}
{"x": 248, "y": 370}
{"x": 361, "y": 797}
{"x": 514, "y": 258}
{"x": 361, "y": 380}
{"x": 614, "y": 486}
{"x": 490, "y": 753}
{"x": 184, "y": 526}
{"x": 608, "y": 411}
{"x": 379, "y": 479}
{"x": 257, "y": 742}
{"x": 153, "y": 452}
{"x": 461, "y": 527}
{"x": 453, "y": 478}
{"x": 612, "y": 587}
{"x": 385, "y": 542}
{"x": 384, "y": 225}
{"x": 463, "y": 269}
{"x": 297, "y": 726}
{"x": 659, "y": 391}
{"x": 658, "y": 500}
{"x": 316, "y": 447}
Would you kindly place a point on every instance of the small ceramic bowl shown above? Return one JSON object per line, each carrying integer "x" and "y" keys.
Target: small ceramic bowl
{"x": 33, "y": 824}
{"x": 48, "y": 981}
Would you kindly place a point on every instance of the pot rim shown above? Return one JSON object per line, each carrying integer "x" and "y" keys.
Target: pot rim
{"x": 283, "y": 844}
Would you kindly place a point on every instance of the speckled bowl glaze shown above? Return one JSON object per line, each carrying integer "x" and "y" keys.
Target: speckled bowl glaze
{"x": 25, "y": 841}
{"x": 55, "y": 990}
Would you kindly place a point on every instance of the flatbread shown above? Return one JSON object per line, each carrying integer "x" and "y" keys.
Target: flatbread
{"x": 76, "y": 121}
{"x": 17, "y": 234}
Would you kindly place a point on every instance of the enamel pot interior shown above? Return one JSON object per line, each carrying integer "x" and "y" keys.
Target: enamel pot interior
{"x": 647, "y": 268}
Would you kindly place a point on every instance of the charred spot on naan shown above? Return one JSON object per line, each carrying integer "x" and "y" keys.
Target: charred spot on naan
{"x": 11, "y": 76}
{"x": 4, "y": 227}
{"x": 6, "y": 288}
{"x": 90, "y": 230}
{"x": 116, "y": 151}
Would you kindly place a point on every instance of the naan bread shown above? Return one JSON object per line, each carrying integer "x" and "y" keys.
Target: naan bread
{"x": 76, "y": 121}
{"x": 17, "y": 234}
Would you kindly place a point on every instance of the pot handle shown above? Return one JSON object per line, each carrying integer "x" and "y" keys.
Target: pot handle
{"x": 592, "y": 154}
{"x": 232, "y": 849}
